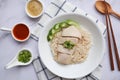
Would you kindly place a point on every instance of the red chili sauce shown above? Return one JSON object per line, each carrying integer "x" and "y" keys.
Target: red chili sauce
{"x": 21, "y": 31}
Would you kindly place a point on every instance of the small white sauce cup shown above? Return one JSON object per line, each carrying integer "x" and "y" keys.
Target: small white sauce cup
{"x": 32, "y": 15}
{"x": 12, "y": 33}
{"x": 17, "y": 38}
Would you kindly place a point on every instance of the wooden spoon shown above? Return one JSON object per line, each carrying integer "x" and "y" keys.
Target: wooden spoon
{"x": 100, "y": 6}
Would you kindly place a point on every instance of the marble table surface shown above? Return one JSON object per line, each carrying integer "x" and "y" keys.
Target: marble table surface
{"x": 13, "y": 11}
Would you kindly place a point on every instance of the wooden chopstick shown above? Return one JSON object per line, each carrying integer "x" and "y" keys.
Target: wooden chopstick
{"x": 109, "y": 41}
{"x": 115, "y": 46}
{"x": 114, "y": 42}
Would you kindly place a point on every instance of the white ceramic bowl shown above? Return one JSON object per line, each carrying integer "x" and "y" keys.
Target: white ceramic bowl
{"x": 32, "y": 15}
{"x": 75, "y": 70}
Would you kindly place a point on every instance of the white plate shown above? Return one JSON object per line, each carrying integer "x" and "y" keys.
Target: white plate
{"x": 76, "y": 70}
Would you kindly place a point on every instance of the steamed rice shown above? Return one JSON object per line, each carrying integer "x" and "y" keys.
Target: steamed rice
{"x": 80, "y": 50}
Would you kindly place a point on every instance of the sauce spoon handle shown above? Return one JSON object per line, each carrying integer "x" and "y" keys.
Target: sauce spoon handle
{"x": 12, "y": 63}
{"x": 5, "y": 29}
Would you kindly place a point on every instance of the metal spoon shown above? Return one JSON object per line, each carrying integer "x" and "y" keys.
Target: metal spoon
{"x": 100, "y": 6}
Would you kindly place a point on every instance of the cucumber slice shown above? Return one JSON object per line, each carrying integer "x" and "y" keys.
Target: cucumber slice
{"x": 52, "y": 32}
{"x": 57, "y": 26}
{"x": 63, "y": 25}
{"x": 49, "y": 37}
{"x": 71, "y": 22}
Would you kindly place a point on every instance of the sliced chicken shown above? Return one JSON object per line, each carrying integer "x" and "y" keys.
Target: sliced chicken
{"x": 61, "y": 49}
{"x": 64, "y": 58}
{"x": 63, "y": 39}
{"x": 71, "y": 31}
